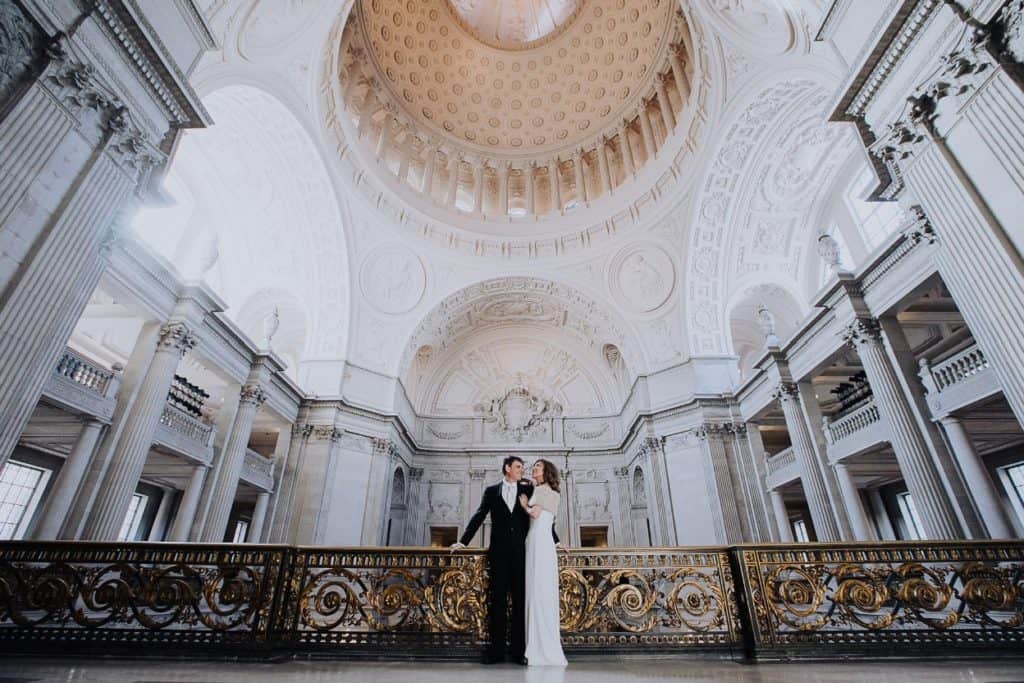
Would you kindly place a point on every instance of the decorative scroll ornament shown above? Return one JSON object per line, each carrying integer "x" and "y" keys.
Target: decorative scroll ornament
{"x": 518, "y": 412}
{"x": 176, "y": 337}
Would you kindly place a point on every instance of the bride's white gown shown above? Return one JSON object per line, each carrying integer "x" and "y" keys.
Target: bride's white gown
{"x": 543, "y": 641}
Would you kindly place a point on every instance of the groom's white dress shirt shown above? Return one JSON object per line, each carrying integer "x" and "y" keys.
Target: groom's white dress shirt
{"x": 508, "y": 493}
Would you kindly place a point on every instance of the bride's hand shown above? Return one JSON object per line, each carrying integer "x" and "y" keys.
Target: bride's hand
{"x": 524, "y": 501}
{"x": 535, "y": 511}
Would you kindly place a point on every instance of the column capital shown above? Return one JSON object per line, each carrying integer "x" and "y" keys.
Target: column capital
{"x": 327, "y": 432}
{"x": 176, "y": 337}
{"x": 477, "y": 475}
{"x": 862, "y": 331}
{"x": 252, "y": 394}
{"x": 415, "y": 473}
{"x": 785, "y": 391}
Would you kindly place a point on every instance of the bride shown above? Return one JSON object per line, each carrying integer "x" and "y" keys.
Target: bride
{"x": 543, "y": 642}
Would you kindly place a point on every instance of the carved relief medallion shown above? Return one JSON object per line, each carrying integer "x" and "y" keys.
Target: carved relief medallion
{"x": 392, "y": 279}
{"x": 642, "y": 277}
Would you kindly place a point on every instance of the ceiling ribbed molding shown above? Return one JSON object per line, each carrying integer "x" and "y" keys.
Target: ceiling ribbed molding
{"x": 493, "y": 137}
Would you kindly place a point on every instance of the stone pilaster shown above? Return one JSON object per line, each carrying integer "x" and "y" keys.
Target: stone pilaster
{"x": 750, "y": 458}
{"x": 915, "y": 460}
{"x": 725, "y": 495}
{"x": 129, "y": 456}
{"x": 287, "y": 485}
{"x": 225, "y": 483}
{"x": 811, "y": 478}
{"x": 979, "y": 483}
{"x": 652, "y": 457}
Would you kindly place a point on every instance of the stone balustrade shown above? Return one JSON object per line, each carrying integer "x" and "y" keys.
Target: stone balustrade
{"x": 185, "y": 434}
{"x": 860, "y": 430}
{"x": 258, "y": 470}
{"x": 853, "y": 422}
{"x": 84, "y": 372}
{"x": 781, "y": 468}
{"x": 959, "y": 367}
{"x": 962, "y": 379}
{"x": 83, "y": 386}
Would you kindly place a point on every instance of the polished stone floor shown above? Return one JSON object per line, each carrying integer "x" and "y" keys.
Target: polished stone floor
{"x": 17, "y": 670}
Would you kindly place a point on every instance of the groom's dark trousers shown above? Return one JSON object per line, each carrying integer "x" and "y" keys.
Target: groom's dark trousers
{"x": 506, "y": 562}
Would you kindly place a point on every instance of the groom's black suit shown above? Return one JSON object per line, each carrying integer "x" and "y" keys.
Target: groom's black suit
{"x": 506, "y": 561}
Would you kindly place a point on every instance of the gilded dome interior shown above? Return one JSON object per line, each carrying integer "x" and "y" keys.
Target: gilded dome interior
{"x": 515, "y": 23}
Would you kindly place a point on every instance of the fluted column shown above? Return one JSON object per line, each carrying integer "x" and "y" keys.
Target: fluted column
{"x": 629, "y": 165}
{"x": 428, "y": 173}
{"x": 810, "y": 474}
{"x": 979, "y": 483}
{"x": 915, "y": 461}
{"x": 503, "y": 189}
{"x": 129, "y": 455}
{"x": 602, "y": 166}
{"x": 581, "y": 183}
{"x": 58, "y": 502}
{"x": 186, "y": 514}
{"x": 453, "y": 180}
{"x": 863, "y": 530}
{"x": 259, "y": 514}
{"x": 232, "y": 459}
{"x": 679, "y": 75}
{"x": 646, "y": 131}
{"x": 478, "y": 187}
{"x": 785, "y": 531}
{"x": 667, "y": 115}
{"x": 531, "y": 192}
{"x": 556, "y": 186}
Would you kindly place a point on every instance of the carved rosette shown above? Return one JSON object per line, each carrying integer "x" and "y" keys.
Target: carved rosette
{"x": 176, "y": 337}
{"x": 252, "y": 394}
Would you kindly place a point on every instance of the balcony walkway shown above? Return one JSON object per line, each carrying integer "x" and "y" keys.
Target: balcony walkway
{"x": 591, "y": 671}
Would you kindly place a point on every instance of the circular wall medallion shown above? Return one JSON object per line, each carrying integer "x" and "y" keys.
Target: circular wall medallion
{"x": 642, "y": 277}
{"x": 392, "y": 279}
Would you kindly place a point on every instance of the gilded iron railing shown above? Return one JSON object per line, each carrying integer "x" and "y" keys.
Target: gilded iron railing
{"x": 817, "y": 599}
{"x": 747, "y": 601}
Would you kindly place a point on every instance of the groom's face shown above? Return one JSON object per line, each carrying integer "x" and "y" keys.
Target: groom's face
{"x": 515, "y": 471}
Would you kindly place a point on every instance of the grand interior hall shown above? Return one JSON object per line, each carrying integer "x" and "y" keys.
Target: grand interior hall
{"x": 285, "y": 283}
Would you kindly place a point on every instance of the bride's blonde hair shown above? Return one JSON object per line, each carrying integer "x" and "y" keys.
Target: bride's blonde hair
{"x": 551, "y": 477}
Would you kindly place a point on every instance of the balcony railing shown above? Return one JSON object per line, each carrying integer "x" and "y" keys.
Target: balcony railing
{"x": 968, "y": 363}
{"x": 258, "y": 470}
{"x": 185, "y": 434}
{"x": 963, "y": 379}
{"x": 853, "y": 422}
{"x": 796, "y": 600}
{"x": 781, "y": 468}
{"x": 83, "y": 386}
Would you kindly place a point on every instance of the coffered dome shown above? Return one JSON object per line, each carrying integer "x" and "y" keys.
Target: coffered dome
{"x": 520, "y": 108}
{"x": 514, "y": 23}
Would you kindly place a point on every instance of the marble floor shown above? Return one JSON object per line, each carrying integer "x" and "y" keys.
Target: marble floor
{"x": 18, "y": 670}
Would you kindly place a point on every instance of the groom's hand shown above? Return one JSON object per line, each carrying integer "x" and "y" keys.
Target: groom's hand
{"x": 456, "y": 546}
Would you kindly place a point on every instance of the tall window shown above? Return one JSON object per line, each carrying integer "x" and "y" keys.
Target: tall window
{"x": 130, "y": 526}
{"x": 241, "y": 531}
{"x": 21, "y": 487}
{"x": 800, "y": 531}
{"x": 1013, "y": 480}
{"x": 876, "y": 220}
{"x": 911, "y": 519}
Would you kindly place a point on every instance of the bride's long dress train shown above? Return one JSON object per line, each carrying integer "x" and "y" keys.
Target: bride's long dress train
{"x": 543, "y": 640}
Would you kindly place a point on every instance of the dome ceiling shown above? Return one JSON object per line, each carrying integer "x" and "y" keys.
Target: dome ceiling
{"x": 525, "y": 100}
{"x": 514, "y": 23}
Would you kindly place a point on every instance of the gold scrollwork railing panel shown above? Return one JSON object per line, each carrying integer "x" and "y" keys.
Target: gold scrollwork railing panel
{"x": 647, "y": 599}
{"x": 137, "y": 593}
{"x": 897, "y": 593}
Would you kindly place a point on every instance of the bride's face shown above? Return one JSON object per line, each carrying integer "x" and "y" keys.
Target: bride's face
{"x": 538, "y": 472}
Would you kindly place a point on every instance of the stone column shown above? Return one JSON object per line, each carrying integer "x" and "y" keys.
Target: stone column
{"x": 646, "y": 131}
{"x": 531, "y": 191}
{"x": 428, "y": 173}
{"x": 259, "y": 515}
{"x": 70, "y": 158}
{"x": 679, "y": 74}
{"x": 881, "y": 515}
{"x": 750, "y": 455}
{"x": 186, "y": 514}
{"x": 814, "y": 419}
{"x": 403, "y": 164}
{"x": 783, "y": 527}
{"x": 720, "y": 483}
{"x": 285, "y": 494}
{"x": 55, "y": 508}
{"x": 863, "y": 530}
{"x": 651, "y": 456}
{"x": 581, "y": 181}
{"x": 129, "y": 457}
{"x": 232, "y": 459}
{"x": 503, "y": 189}
{"x": 453, "y": 180}
{"x": 915, "y": 460}
{"x": 602, "y": 166}
{"x": 667, "y": 115}
{"x": 979, "y": 483}
{"x": 556, "y": 186}
{"x": 810, "y": 474}
{"x": 629, "y": 165}
{"x": 478, "y": 187}
{"x": 384, "y": 140}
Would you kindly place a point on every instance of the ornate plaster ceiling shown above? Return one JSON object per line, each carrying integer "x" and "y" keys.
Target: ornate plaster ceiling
{"x": 513, "y": 24}
{"x": 535, "y": 99}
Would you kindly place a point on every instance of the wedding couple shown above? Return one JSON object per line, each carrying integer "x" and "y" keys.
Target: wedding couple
{"x": 523, "y": 563}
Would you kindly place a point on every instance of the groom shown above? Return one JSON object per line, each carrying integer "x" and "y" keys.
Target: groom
{"x": 506, "y": 558}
